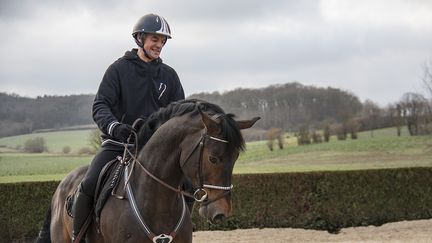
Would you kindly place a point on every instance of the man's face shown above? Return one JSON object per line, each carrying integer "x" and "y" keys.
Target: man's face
{"x": 153, "y": 45}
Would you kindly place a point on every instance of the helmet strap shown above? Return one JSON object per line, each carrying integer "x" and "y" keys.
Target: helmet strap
{"x": 141, "y": 44}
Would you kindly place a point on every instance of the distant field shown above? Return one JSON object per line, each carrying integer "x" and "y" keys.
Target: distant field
{"x": 383, "y": 150}
{"x": 55, "y": 140}
{"x": 31, "y": 167}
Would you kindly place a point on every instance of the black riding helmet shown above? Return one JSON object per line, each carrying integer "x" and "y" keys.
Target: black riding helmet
{"x": 153, "y": 24}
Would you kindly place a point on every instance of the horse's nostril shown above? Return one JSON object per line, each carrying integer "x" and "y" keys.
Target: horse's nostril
{"x": 218, "y": 218}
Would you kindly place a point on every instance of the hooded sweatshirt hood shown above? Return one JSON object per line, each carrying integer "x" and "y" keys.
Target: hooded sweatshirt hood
{"x": 132, "y": 55}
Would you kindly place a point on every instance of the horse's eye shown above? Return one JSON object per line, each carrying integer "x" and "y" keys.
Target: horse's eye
{"x": 213, "y": 159}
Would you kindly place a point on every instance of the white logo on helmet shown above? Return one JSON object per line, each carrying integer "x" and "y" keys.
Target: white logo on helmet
{"x": 164, "y": 26}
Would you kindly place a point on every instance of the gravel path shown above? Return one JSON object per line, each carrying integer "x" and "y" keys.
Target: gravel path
{"x": 405, "y": 231}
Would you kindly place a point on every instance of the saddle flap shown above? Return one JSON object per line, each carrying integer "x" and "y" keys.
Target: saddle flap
{"x": 109, "y": 177}
{"x": 108, "y": 180}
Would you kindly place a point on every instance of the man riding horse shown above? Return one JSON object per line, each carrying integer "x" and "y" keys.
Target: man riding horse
{"x": 133, "y": 87}
{"x": 183, "y": 143}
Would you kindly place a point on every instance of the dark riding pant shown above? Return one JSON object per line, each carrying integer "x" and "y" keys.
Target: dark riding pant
{"x": 103, "y": 156}
{"x": 84, "y": 197}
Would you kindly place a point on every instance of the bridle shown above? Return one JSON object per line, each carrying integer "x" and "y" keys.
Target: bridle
{"x": 199, "y": 145}
{"x": 200, "y": 195}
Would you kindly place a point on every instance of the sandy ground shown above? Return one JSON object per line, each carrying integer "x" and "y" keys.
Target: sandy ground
{"x": 405, "y": 231}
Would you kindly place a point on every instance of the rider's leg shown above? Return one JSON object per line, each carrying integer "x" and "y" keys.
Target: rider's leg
{"x": 84, "y": 198}
{"x": 81, "y": 211}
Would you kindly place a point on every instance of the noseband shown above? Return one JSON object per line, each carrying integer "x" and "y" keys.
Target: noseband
{"x": 201, "y": 195}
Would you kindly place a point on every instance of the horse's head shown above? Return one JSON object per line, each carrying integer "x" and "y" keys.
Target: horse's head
{"x": 208, "y": 159}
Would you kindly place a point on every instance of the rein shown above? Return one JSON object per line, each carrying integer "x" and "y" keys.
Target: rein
{"x": 202, "y": 185}
{"x": 135, "y": 160}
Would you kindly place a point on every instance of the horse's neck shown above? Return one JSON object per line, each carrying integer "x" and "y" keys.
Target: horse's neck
{"x": 155, "y": 200}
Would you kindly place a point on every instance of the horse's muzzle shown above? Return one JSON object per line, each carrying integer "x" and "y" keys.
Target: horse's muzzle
{"x": 217, "y": 211}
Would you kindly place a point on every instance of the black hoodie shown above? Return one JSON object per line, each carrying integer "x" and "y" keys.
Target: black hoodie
{"x": 131, "y": 89}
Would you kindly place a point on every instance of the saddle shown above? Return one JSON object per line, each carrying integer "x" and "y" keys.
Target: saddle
{"x": 109, "y": 178}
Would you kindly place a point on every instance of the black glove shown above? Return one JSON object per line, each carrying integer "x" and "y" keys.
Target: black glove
{"x": 122, "y": 132}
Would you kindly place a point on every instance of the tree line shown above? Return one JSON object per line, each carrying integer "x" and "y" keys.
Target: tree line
{"x": 21, "y": 115}
{"x": 288, "y": 106}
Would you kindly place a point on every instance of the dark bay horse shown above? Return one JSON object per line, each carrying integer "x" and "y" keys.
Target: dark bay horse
{"x": 188, "y": 139}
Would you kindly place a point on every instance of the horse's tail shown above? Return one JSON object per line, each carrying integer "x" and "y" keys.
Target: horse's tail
{"x": 45, "y": 234}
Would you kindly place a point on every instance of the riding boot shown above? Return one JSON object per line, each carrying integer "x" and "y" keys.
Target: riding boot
{"x": 81, "y": 210}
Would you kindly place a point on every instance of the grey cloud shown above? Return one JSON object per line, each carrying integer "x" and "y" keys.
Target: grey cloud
{"x": 217, "y": 45}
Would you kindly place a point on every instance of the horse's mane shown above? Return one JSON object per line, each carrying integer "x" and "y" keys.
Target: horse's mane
{"x": 230, "y": 128}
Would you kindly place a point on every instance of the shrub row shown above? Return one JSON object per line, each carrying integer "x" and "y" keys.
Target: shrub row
{"x": 328, "y": 200}
{"x": 314, "y": 200}
{"x": 22, "y": 209}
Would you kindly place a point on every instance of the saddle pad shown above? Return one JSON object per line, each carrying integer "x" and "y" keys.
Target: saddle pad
{"x": 106, "y": 183}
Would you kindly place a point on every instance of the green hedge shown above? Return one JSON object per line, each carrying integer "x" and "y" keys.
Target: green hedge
{"x": 22, "y": 208}
{"x": 329, "y": 200}
{"x": 314, "y": 200}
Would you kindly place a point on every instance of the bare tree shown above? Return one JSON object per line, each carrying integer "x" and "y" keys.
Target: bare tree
{"x": 274, "y": 134}
{"x": 370, "y": 114}
{"x": 394, "y": 113}
{"x": 415, "y": 111}
{"x": 398, "y": 120}
{"x": 427, "y": 77}
{"x": 427, "y": 81}
{"x": 95, "y": 140}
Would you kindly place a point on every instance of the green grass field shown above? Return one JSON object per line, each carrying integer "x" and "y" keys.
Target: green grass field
{"x": 55, "y": 140}
{"x": 383, "y": 150}
{"x": 17, "y": 167}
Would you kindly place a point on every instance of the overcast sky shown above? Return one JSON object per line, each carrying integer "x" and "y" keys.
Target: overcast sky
{"x": 372, "y": 48}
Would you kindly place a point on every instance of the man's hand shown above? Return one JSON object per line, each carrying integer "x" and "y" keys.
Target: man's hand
{"x": 122, "y": 132}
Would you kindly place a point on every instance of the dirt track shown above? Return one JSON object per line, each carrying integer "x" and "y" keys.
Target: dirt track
{"x": 405, "y": 231}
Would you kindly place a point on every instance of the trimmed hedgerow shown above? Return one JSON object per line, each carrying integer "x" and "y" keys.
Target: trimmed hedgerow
{"x": 328, "y": 200}
{"x": 313, "y": 200}
{"x": 23, "y": 207}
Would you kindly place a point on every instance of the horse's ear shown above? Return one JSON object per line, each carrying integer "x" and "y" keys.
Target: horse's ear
{"x": 244, "y": 124}
{"x": 210, "y": 122}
